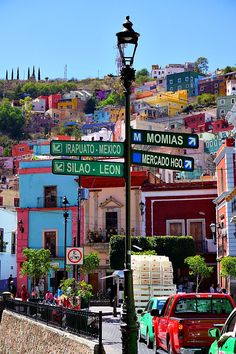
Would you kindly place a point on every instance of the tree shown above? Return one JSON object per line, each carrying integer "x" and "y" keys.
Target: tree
{"x": 11, "y": 120}
{"x": 27, "y": 105}
{"x": 228, "y": 266}
{"x": 201, "y": 65}
{"x": 6, "y": 75}
{"x": 28, "y": 75}
{"x": 18, "y": 74}
{"x": 91, "y": 262}
{"x": 37, "y": 264}
{"x": 39, "y": 74}
{"x": 90, "y": 106}
{"x": 198, "y": 268}
{"x": 206, "y": 99}
{"x": 142, "y": 76}
{"x": 12, "y": 74}
{"x": 229, "y": 69}
{"x": 33, "y": 74}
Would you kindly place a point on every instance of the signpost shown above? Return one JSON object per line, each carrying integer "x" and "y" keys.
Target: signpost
{"x": 180, "y": 140}
{"x": 86, "y": 148}
{"x": 87, "y": 168}
{"x": 167, "y": 161}
{"x": 74, "y": 255}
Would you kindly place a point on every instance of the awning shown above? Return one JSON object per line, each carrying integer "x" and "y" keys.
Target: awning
{"x": 116, "y": 273}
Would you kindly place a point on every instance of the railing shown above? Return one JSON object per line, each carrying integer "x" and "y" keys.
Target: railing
{"x": 201, "y": 246}
{"x": 79, "y": 322}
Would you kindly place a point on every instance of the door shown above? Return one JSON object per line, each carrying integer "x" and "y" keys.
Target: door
{"x": 196, "y": 231}
{"x": 93, "y": 280}
{"x": 111, "y": 223}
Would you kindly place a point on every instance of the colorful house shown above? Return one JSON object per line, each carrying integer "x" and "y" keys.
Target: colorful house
{"x": 215, "y": 85}
{"x": 175, "y": 101}
{"x": 186, "y": 80}
{"x": 224, "y": 105}
{"x": 225, "y": 219}
{"x": 40, "y": 216}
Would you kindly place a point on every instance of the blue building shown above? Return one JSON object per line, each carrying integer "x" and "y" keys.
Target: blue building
{"x": 41, "y": 216}
{"x": 7, "y": 246}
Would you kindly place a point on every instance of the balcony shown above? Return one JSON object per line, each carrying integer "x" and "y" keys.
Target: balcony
{"x": 205, "y": 246}
{"x": 49, "y": 202}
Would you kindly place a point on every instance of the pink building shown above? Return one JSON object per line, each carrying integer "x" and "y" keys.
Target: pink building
{"x": 53, "y": 100}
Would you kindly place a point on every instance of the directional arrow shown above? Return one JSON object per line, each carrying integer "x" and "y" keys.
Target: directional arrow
{"x": 57, "y": 147}
{"x": 59, "y": 167}
{"x": 192, "y": 141}
{"x": 188, "y": 164}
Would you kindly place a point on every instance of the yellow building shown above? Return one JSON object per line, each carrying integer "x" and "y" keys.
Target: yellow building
{"x": 175, "y": 101}
{"x": 116, "y": 113}
{"x": 72, "y": 103}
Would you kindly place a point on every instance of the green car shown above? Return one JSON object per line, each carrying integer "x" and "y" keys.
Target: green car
{"x": 145, "y": 319}
{"x": 225, "y": 342}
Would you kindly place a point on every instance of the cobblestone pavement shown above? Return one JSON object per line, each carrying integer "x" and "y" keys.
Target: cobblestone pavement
{"x": 111, "y": 334}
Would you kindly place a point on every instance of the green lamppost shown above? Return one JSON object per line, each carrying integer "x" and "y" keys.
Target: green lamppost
{"x": 127, "y": 41}
{"x": 65, "y": 215}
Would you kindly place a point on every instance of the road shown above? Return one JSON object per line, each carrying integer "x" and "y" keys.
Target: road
{"x": 112, "y": 337}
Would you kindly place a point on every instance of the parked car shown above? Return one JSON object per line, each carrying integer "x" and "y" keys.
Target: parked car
{"x": 182, "y": 326}
{"x": 225, "y": 342}
{"x": 145, "y": 319}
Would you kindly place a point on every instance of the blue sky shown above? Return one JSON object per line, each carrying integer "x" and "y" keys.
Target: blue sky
{"x": 81, "y": 34}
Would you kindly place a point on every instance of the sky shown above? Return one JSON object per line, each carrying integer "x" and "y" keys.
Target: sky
{"x": 81, "y": 35}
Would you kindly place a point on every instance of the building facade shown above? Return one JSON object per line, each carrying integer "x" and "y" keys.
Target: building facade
{"x": 186, "y": 80}
{"x": 224, "y": 105}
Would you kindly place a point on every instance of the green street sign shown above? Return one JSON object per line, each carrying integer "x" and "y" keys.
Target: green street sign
{"x": 86, "y": 148}
{"x": 166, "y": 161}
{"x": 87, "y": 168}
{"x": 148, "y": 137}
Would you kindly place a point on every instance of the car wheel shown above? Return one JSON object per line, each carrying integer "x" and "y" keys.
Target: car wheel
{"x": 140, "y": 336}
{"x": 149, "y": 342}
{"x": 170, "y": 351}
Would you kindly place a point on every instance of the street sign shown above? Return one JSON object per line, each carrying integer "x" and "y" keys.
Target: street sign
{"x": 86, "y": 148}
{"x": 166, "y": 161}
{"x": 74, "y": 255}
{"x": 180, "y": 140}
{"x": 87, "y": 168}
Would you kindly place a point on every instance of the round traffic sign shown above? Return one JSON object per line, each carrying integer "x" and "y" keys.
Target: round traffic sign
{"x": 75, "y": 255}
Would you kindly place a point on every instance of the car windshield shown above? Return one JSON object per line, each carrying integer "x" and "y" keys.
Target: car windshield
{"x": 204, "y": 305}
{"x": 160, "y": 304}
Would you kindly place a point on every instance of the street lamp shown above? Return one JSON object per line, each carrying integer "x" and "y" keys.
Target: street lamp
{"x": 214, "y": 227}
{"x": 127, "y": 42}
{"x": 65, "y": 214}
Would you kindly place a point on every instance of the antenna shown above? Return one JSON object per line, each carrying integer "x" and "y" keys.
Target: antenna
{"x": 65, "y": 72}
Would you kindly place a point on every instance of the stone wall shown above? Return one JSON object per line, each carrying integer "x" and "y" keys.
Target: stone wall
{"x": 21, "y": 335}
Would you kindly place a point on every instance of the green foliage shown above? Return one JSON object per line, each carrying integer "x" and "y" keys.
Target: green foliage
{"x": 37, "y": 263}
{"x": 68, "y": 286}
{"x": 35, "y": 89}
{"x": 91, "y": 262}
{"x": 70, "y": 130}
{"x": 11, "y": 120}
{"x": 142, "y": 76}
{"x": 201, "y": 65}
{"x": 113, "y": 99}
{"x": 142, "y": 72}
{"x": 228, "y": 266}
{"x": 146, "y": 253}
{"x": 229, "y": 69}
{"x": 198, "y": 268}
{"x": 84, "y": 290}
{"x": 177, "y": 248}
{"x": 90, "y": 106}
{"x": 206, "y": 99}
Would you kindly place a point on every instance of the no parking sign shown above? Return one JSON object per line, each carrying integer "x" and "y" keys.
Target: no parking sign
{"x": 74, "y": 255}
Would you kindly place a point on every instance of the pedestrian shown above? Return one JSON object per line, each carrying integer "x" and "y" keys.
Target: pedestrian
{"x": 24, "y": 293}
{"x": 9, "y": 281}
{"x": 212, "y": 289}
{"x": 12, "y": 289}
{"x": 49, "y": 296}
{"x": 218, "y": 288}
{"x": 59, "y": 292}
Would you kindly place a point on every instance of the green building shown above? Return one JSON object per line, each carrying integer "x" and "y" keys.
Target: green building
{"x": 186, "y": 80}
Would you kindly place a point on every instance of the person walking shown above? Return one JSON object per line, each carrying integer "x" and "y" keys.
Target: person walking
{"x": 9, "y": 281}
{"x": 212, "y": 289}
{"x": 12, "y": 289}
{"x": 24, "y": 293}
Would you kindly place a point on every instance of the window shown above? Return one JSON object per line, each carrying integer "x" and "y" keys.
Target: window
{"x": 187, "y": 85}
{"x": 50, "y": 242}
{"x": 21, "y": 149}
{"x": 171, "y": 88}
{"x": 16, "y": 202}
{"x": 191, "y": 79}
{"x": 171, "y": 82}
{"x": 222, "y": 111}
{"x": 222, "y": 180}
{"x": 1, "y": 201}
{"x": 13, "y": 243}
{"x": 216, "y": 85}
{"x": 111, "y": 220}
{"x": 179, "y": 80}
{"x": 203, "y": 305}
{"x": 179, "y": 87}
{"x": 196, "y": 229}
{"x": 232, "y": 100}
{"x": 222, "y": 102}
{"x": 201, "y": 88}
{"x": 216, "y": 92}
{"x": 186, "y": 79}
{"x": 175, "y": 227}
{"x": 2, "y": 243}
{"x": 50, "y": 196}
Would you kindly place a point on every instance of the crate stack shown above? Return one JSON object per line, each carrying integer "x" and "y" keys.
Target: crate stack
{"x": 152, "y": 276}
